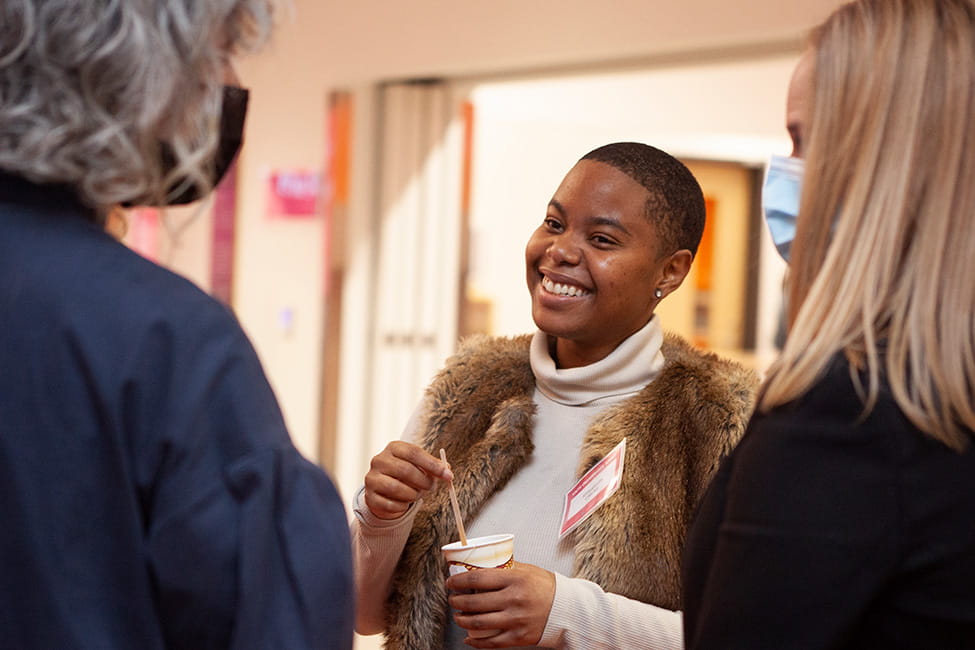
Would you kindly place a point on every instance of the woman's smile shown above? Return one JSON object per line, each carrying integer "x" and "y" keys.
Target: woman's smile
{"x": 563, "y": 289}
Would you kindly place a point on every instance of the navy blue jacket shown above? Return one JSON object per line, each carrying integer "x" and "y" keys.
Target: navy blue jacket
{"x": 150, "y": 495}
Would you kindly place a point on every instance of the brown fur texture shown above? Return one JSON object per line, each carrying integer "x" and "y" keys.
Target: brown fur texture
{"x": 481, "y": 412}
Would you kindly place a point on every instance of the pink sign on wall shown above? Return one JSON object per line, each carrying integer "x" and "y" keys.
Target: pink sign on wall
{"x": 294, "y": 194}
{"x": 222, "y": 244}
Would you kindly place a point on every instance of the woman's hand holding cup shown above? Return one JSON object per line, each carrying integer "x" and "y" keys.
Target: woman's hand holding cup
{"x": 502, "y": 608}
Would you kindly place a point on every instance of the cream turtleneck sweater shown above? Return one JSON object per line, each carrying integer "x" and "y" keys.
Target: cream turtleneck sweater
{"x": 583, "y": 616}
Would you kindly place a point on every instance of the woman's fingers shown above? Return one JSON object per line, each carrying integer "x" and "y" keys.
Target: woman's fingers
{"x": 397, "y": 477}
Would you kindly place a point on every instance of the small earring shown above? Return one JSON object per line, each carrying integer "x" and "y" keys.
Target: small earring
{"x": 658, "y": 294}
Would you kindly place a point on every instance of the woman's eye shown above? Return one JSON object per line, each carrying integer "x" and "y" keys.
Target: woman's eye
{"x": 552, "y": 223}
{"x": 602, "y": 240}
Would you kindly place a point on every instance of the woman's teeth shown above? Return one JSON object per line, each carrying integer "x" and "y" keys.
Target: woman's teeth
{"x": 562, "y": 289}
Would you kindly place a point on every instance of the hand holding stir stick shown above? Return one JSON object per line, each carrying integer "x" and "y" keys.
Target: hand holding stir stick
{"x": 453, "y": 502}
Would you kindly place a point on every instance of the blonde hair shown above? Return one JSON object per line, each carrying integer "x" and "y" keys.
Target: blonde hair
{"x": 92, "y": 92}
{"x": 883, "y": 266}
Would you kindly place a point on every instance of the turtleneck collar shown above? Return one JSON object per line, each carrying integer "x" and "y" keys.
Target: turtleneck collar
{"x": 632, "y": 365}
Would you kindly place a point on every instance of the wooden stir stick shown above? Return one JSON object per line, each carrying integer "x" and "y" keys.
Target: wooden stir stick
{"x": 453, "y": 502}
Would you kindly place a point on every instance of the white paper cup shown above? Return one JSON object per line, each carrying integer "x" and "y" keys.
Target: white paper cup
{"x": 489, "y": 552}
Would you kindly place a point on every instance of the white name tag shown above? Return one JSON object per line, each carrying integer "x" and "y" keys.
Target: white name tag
{"x": 592, "y": 490}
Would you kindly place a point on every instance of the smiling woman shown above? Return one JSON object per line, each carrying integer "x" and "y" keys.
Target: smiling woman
{"x": 529, "y": 415}
{"x": 596, "y": 267}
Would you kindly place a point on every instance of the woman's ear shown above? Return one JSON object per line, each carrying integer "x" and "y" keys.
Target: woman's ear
{"x": 675, "y": 269}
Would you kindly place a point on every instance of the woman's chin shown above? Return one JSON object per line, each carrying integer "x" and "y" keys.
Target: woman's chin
{"x": 556, "y": 330}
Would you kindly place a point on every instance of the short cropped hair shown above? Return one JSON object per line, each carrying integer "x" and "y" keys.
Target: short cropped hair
{"x": 676, "y": 204}
{"x": 92, "y": 91}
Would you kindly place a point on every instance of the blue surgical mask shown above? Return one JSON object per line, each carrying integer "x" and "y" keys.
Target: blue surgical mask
{"x": 780, "y": 200}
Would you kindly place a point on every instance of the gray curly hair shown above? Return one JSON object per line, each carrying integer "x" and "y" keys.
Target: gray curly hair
{"x": 92, "y": 92}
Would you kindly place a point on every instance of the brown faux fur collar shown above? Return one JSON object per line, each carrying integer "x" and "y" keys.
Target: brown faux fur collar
{"x": 481, "y": 412}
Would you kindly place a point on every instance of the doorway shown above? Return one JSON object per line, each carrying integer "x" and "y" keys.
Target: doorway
{"x": 722, "y": 118}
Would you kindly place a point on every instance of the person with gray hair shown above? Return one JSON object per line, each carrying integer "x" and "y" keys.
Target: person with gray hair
{"x": 150, "y": 493}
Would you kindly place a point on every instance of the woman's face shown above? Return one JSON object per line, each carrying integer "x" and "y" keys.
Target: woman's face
{"x": 593, "y": 264}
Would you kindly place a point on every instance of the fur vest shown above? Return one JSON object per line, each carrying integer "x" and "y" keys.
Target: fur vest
{"x": 481, "y": 412}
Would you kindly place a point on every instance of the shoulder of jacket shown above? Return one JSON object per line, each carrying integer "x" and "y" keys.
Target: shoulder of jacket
{"x": 706, "y": 368}
{"x": 487, "y": 349}
{"x": 482, "y": 359}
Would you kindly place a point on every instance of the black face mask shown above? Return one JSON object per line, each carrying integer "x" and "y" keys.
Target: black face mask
{"x": 232, "y": 113}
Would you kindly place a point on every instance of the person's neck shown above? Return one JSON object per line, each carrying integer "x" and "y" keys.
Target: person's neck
{"x": 571, "y": 354}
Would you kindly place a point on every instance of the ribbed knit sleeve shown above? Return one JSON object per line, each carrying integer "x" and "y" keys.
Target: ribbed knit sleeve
{"x": 584, "y": 617}
{"x": 376, "y": 547}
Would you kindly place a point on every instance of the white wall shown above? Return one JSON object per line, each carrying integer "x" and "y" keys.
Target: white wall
{"x": 380, "y": 39}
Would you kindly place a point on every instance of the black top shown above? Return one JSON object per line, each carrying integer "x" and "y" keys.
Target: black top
{"x": 822, "y": 531}
{"x": 150, "y": 495}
